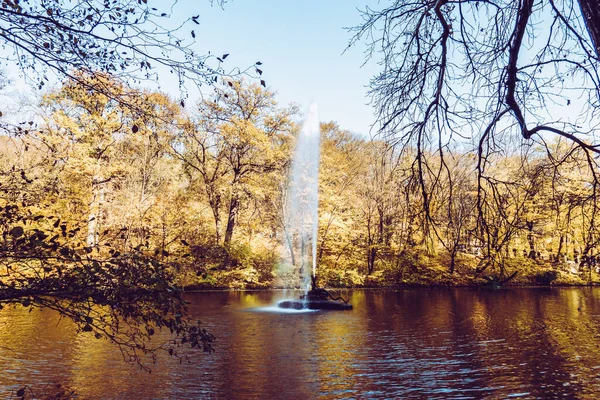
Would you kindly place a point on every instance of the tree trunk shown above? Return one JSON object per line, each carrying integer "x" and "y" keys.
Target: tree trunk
{"x": 560, "y": 246}
{"x": 95, "y": 213}
{"x": 381, "y": 226}
{"x": 371, "y": 251}
{"x": 452, "y": 260}
{"x": 214, "y": 199}
{"x": 372, "y": 254}
{"x": 591, "y": 15}
{"x": 233, "y": 209}
{"x": 531, "y": 240}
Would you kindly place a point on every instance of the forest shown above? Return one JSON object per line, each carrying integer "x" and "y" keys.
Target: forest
{"x": 201, "y": 188}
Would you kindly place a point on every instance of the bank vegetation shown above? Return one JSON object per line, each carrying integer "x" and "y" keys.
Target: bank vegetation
{"x": 200, "y": 189}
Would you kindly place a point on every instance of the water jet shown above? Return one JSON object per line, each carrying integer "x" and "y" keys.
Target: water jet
{"x": 301, "y": 219}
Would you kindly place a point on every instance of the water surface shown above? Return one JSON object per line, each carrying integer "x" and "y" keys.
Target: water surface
{"x": 417, "y": 343}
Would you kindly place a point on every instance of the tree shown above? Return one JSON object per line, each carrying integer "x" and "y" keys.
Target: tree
{"x": 85, "y": 126}
{"x": 239, "y": 135}
{"x": 342, "y": 168}
{"x": 455, "y": 208}
{"x": 107, "y": 147}
{"x": 122, "y": 297}
{"x": 114, "y": 278}
{"x": 91, "y": 43}
{"x": 431, "y": 48}
{"x": 382, "y": 195}
{"x": 492, "y": 77}
{"x": 124, "y": 38}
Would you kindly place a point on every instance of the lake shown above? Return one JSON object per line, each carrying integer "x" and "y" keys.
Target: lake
{"x": 412, "y": 343}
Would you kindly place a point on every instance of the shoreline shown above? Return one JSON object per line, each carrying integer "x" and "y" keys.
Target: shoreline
{"x": 200, "y": 289}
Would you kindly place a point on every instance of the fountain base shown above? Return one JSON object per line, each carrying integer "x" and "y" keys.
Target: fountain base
{"x": 314, "y": 305}
{"x": 316, "y": 299}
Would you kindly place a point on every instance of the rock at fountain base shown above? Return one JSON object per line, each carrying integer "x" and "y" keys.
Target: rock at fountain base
{"x": 314, "y": 305}
{"x": 316, "y": 299}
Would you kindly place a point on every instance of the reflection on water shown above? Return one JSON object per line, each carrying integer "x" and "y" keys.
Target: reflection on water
{"x": 426, "y": 343}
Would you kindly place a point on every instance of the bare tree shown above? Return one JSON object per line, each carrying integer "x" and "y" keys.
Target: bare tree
{"x": 128, "y": 39}
{"x": 493, "y": 77}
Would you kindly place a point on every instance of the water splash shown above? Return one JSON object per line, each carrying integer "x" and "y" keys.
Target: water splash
{"x": 278, "y": 310}
{"x": 302, "y": 201}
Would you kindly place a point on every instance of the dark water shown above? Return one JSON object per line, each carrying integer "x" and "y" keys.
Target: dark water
{"x": 426, "y": 343}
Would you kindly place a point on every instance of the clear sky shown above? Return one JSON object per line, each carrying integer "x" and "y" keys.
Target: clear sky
{"x": 300, "y": 43}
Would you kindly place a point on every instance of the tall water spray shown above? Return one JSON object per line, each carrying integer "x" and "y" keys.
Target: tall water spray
{"x": 302, "y": 203}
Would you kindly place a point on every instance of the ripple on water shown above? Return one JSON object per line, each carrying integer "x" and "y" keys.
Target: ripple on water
{"x": 409, "y": 344}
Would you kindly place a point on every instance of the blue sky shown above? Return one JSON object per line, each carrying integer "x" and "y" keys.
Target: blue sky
{"x": 300, "y": 43}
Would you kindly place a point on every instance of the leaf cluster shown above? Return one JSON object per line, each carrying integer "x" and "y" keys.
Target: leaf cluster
{"x": 121, "y": 296}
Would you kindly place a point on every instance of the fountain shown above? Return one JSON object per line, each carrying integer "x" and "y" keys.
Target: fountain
{"x": 302, "y": 216}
